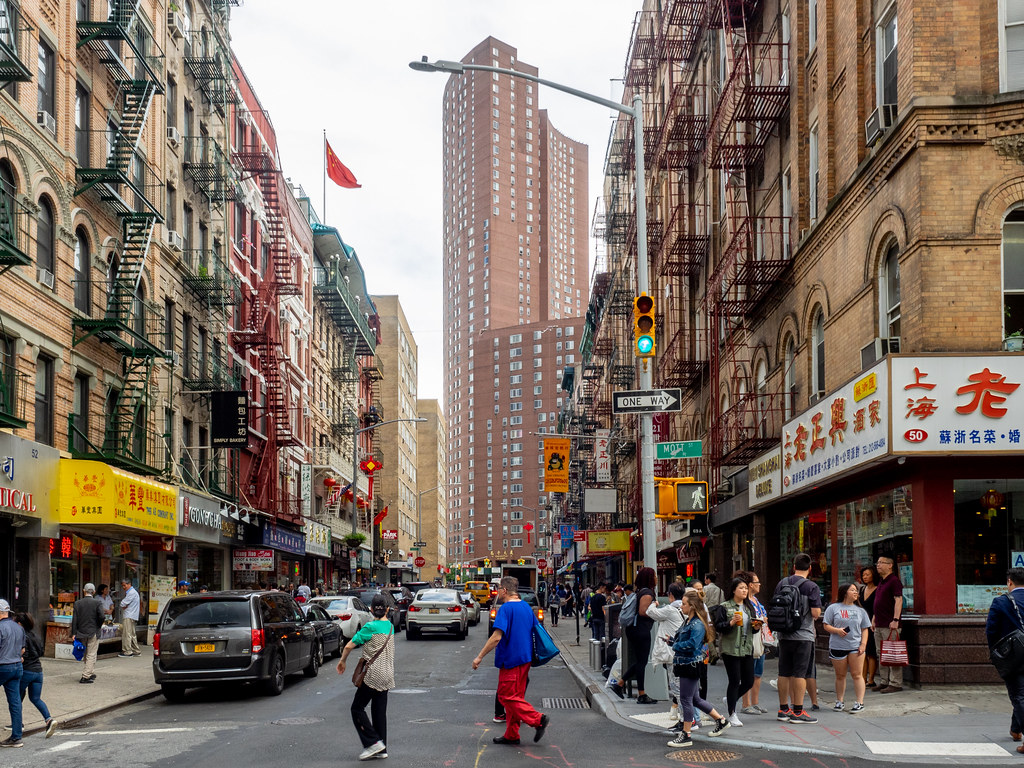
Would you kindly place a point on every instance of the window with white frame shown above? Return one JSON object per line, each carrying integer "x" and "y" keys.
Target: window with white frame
{"x": 890, "y": 291}
{"x": 1013, "y": 271}
{"x": 812, "y": 24}
{"x": 818, "y": 353}
{"x": 1011, "y": 45}
{"x": 886, "y": 69}
{"x": 812, "y": 148}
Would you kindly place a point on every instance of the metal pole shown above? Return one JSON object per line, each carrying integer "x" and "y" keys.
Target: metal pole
{"x": 576, "y": 608}
{"x": 355, "y": 488}
{"x": 646, "y": 374}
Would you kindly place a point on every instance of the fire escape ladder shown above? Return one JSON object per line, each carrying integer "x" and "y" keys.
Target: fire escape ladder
{"x": 127, "y": 441}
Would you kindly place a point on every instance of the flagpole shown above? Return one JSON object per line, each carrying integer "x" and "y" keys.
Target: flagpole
{"x": 325, "y": 176}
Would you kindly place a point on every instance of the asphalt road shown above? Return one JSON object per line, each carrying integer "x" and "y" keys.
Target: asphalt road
{"x": 439, "y": 715}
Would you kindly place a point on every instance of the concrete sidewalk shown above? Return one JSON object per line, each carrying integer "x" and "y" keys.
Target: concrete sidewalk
{"x": 963, "y": 725}
{"x": 118, "y": 682}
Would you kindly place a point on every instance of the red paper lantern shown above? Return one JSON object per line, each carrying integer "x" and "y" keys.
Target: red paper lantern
{"x": 330, "y": 482}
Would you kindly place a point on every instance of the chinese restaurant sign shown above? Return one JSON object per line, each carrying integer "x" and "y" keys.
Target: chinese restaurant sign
{"x": 92, "y": 493}
{"x": 843, "y": 430}
{"x": 956, "y": 405}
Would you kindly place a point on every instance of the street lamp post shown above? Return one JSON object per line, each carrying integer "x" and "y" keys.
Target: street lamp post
{"x": 643, "y": 265}
{"x": 419, "y": 512}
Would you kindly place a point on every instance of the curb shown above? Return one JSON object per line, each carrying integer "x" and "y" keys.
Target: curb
{"x": 93, "y": 712}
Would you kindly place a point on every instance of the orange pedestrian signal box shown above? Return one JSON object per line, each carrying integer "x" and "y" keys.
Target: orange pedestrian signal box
{"x": 681, "y": 498}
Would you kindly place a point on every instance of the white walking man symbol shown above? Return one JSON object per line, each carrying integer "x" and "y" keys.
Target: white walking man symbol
{"x": 697, "y": 498}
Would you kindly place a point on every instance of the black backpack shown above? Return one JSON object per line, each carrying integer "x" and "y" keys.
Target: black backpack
{"x": 787, "y": 608}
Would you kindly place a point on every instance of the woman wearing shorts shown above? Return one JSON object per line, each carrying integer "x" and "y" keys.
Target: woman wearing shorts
{"x": 848, "y": 627}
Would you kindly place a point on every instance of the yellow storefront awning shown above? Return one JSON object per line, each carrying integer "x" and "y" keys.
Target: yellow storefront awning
{"x": 94, "y": 493}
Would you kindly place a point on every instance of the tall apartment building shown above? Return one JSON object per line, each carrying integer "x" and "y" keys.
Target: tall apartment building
{"x": 515, "y": 264}
{"x": 432, "y": 473}
{"x": 836, "y": 196}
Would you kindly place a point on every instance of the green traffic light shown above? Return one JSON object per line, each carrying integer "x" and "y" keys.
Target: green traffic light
{"x": 644, "y": 345}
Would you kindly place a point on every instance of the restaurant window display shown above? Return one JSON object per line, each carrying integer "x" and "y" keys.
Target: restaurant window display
{"x": 204, "y": 566}
{"x": 989, "y": 523}
{"x": 872, "y": 527}
{"x": 808, "y": 533}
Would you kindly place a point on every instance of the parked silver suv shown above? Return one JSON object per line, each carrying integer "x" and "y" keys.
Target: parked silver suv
{"x": 235, "y": 636}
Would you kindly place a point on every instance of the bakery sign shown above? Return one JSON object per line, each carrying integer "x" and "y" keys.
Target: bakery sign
{"x": 844, "y": 430}
{"x": 957, "y": 404}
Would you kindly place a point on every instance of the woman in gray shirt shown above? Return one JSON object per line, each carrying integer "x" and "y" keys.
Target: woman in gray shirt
{"x": 847, "y": 625}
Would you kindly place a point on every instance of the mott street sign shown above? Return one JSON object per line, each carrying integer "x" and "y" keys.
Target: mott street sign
{"x": 684, "y": 449}
{"x": 647, "y": 401}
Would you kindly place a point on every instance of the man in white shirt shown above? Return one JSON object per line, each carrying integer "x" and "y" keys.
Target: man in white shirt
{"x": 130, "y": 605}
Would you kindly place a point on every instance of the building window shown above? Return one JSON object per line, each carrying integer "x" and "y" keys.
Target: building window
{"x": 818, "y": 354}
{"x": 812, "y": 148}
{"x": 1011, "y": 45}
{"x": 891, "y": 290}
{"x": 82, "y": 262}
{"x": 47, "y": 81}
{"x": 1013, "y": 272}
{"x": 45, "y": 242}
{"x": 80, "y": 414}
{"x": 787, "y": 212}
{"x": 789, "y": 395}
{"x": 44, "y": 401}
{"x": 761, "y": 382}
{"x": 887, "y": 58}
{"x": 812, "y": 24}
{"x": 171, "y": 102}
{"x": 82, "y": 125}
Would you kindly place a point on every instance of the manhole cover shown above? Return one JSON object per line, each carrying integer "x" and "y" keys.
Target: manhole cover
{"x": 702, "y": 756}
{"x": 297, "y": 721}
{"x": 408, "y": 690}
{"x": 477, "y": 692}
{"x": 563, "y": 703}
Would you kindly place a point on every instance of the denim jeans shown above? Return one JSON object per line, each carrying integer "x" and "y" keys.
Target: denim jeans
{"x": 597, "y": 628}
{"x": 10, "y": 679}
{"x": 33, "y": 683}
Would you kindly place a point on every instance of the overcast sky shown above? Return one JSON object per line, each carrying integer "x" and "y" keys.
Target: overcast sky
{"x": 342, "y": 65}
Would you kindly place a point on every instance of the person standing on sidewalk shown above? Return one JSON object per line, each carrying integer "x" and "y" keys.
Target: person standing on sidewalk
{"x": 796, "y": 649}
{"x": 130, "y": 605}
{"x": 848, "y": 628}
{"x": 12, "y": 646}
{"x": 512, "y": 643}
{"x": 1002, "y": 620}
{"x": 598, "y": 600}
{"x": 638, "y": 635}
{"x": 869, "y": 583}
{"x": 86, "y": 621}
{"x": 751, "y": 699}
{"x": 32, "y": 672}
{"x": 888, "y": 612}
{"x": 735, "y": 622}
{"x": 668, "y": 618}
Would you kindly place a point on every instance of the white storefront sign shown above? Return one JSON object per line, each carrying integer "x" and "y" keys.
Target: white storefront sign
{"x": 844, "y": 430}
{"x": 765, "y": 475}
{"x": 603, "y": 455}
{"x": 318, "y": 539}
{"x": 956, "y": 405}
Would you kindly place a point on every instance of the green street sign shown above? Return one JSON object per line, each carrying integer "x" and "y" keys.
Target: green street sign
{"x": 684, "y": 449}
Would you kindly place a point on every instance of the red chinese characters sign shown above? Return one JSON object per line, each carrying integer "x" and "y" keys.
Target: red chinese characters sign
{"x": 845, "y": 429}
{"x": 950, "y": 405}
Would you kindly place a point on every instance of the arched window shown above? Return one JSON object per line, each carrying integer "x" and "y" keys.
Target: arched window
{"x": 45, "y": 242}
{"x": 1013, "y": 272}
{"x": 82, "y": 259}
{"x": 890, "y": 292}
{"x": 818, "y": 354}
{"x": 139, "y": 309}
{"x": 789, "y": 395}
{"x": 761, "y": 384}
{"x": 8, "y": 229}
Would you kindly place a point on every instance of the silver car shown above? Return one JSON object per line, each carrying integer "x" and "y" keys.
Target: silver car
{"x": 472, "y": 608}
{"x": 437, "y": 609}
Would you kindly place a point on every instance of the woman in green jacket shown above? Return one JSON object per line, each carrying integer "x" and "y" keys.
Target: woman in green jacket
{"x": 735, "y": 622}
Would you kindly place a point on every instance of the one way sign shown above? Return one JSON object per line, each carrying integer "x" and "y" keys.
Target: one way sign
{"x": 649, "y": 401}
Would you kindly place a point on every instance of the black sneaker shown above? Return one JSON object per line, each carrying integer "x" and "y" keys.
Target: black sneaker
{"x": 721, "y": 727}
{"x": 678, "y": 727}
{"x": 499, "y": 718}
{"x": 784, "y": 715}
{"x": 87, "y": 680}
{"x": 618, "y": 690}
{"x": 802, "y": 717}
{"x": 681, "y": 741}
{"x": 544, "y": 722}
{"x": 10, "y": 741}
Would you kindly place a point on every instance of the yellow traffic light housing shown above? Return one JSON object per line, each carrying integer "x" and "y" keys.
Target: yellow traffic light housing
{"x": 643, "y": 326}
{"x": 681, "y": 498}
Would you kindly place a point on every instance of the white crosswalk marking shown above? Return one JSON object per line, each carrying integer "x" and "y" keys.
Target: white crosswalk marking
{"x": 66, "y": 746}
{"x": 933, "y": 748}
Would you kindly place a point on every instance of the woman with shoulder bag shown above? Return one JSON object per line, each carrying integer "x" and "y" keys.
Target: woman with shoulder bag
{"x": 639, "y": 636}
{"x": 669, "y": 619}
{"x": 690, "y": 649}
{"x": 374, "y": 677}
{"x": 736, "y": 622}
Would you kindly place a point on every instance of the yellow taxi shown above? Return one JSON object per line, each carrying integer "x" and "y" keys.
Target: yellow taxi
{"x": 481, "y": 590}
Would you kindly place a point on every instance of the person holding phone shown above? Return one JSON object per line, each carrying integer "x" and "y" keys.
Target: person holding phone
{"x": 847, "y": 624}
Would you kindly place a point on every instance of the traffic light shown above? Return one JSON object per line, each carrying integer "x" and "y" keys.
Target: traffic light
{"x": 643, "y": 326}
{"x": 681, "y": 498}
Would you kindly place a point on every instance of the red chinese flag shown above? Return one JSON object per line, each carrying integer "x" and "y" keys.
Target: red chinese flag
{"x": 379, "y": 517}
{"x": 337, "y": 171}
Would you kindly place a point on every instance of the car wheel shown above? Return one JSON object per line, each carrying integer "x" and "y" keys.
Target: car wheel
{"x": 175, "y": 694}
{"x": 274, "y": 685}
{"x": 411, "y": 633}
{"x": 316, "y": 660}
{"x": 341, "y": 644}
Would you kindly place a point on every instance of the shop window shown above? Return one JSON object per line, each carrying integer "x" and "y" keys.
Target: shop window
{"x": 989, "y": 529}
{"x": 808, "y": 533}
{"x": 880, "y": 525}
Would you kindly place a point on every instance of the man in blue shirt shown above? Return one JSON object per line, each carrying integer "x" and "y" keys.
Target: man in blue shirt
{"x": 513, "y": 639}
{"x": 12, "y": 646}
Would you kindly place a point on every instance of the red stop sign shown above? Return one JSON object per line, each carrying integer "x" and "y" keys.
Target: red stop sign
{"x": 420, "y": 562}
{"x": 542, "y": 563}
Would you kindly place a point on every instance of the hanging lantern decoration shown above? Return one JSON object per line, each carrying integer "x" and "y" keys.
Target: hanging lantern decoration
{"x": 991, "y": 502}
{"x": 330, "y": 482}
{"x": 528, "y": 527}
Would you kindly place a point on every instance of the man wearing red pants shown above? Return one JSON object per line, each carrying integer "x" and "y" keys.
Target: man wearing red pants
{"x": 513, "y": 639}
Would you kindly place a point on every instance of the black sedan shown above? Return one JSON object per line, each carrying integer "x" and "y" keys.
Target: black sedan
{"x": 366, "y": 595}
{"x": 327, "y": 630}
{"x": 403, "y": 598}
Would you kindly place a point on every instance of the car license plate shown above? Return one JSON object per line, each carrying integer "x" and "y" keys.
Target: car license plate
{"x": 204, "y": 648}
{"x": 435, "y": 610}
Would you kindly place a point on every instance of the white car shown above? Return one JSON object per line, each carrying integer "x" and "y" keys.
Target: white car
{"x": 472, "y": 607}
{"x": 437, "y": 609}
{"x": 349, "y": 612}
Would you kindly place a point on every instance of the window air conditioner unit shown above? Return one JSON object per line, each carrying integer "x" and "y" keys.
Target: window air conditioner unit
{"x": 174, "y": 240}
{"x": 305, "y": 410}
{"x": 330, "y": 413}
{"x": 877, "y": 349}
{"x": 878, "y": 123}
{"x": 45, "y": 277}
{"x": 173, "y": 136}
{"x": 172, "y": 356}
{"x": 323, "y": 346}
{"x": 323, "y": 405}
{"x": 47, "y": 121}
{"x": 176, "y": 24}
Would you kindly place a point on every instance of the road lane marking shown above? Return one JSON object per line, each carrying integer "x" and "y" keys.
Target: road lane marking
{"x": 66, "y": 746}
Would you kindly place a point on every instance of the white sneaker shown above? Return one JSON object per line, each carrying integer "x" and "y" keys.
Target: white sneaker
{"x": 839, "y": 706}
{"x": 372, "y": 750}
{"x": 735, "y": 721}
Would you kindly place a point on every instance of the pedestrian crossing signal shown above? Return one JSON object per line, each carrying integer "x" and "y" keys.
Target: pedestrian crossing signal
{"x": 681, "y": 498}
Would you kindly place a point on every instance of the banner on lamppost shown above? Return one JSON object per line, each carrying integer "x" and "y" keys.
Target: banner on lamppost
{"x": 556, "y": 465}
{"x": 603, "y": 455}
